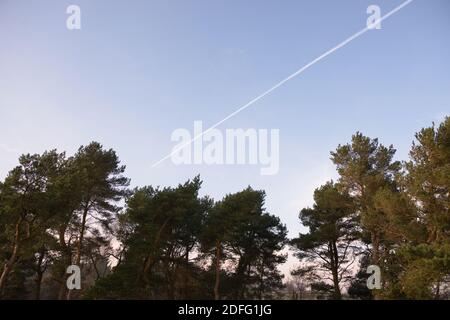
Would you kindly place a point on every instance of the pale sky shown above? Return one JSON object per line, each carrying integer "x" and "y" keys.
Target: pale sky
{"x": 138, "y": 70}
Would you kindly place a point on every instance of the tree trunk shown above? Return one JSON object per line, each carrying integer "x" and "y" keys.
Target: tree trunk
{"x": 39, "y": 273}
{"x": 375, "y": 247}
{"x": 38, "y": 285}
{"x": 80, "y": 243}
{"x": 151, "y": 260}
{"x": 261, "y": 280}
{"x": 186, "y": 274}
{"x": 7, "y": 268}
{"x": 335, "y": 271}
{"x": 217, "y": 262}
{"x": 437, "y": 292}
{"x": 68, "y": 256}
{"x": 62, "y": 288}
{"x": 12, "y": 260}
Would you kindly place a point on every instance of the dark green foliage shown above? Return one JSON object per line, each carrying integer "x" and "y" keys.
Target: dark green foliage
{"x": 169, "y": 240}
{"x": 366, "y": 168}
{"x": 329, "y": 247}
{"x": 172, "y": 243}
{"x": 49, "y": 203}
{"x": 238, "y": 231}
{"x": 358, "y": 285}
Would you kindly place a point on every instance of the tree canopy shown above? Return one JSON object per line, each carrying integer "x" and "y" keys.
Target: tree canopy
{"x": 154, "y": 242}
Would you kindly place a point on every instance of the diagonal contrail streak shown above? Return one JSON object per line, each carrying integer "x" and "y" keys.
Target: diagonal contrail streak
{"x": 296, "y": 73}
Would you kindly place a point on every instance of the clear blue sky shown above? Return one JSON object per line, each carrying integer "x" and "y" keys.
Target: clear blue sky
{"x": 137, "y": 70}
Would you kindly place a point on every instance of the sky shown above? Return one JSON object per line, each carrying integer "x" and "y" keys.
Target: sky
{"x": 138, "y": 70}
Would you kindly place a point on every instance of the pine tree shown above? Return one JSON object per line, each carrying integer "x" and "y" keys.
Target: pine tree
{"x": 329, "y": 247}
{"x": 366, "y": 167}
{"x": 427, "y": 255}
{"x": 102, "y": 186}
{"x": 26, "y": 208}
{"x": 240, "y": 231}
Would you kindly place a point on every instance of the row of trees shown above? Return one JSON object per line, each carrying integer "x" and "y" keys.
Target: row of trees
{"x": 385, "y": 213}
{"x": 171, "y": 243}
{"x": 57, "y": 211}
{"x": 178, "y": 246}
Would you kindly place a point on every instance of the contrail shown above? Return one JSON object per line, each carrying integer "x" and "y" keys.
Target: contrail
{"x": 279, "y": 84}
